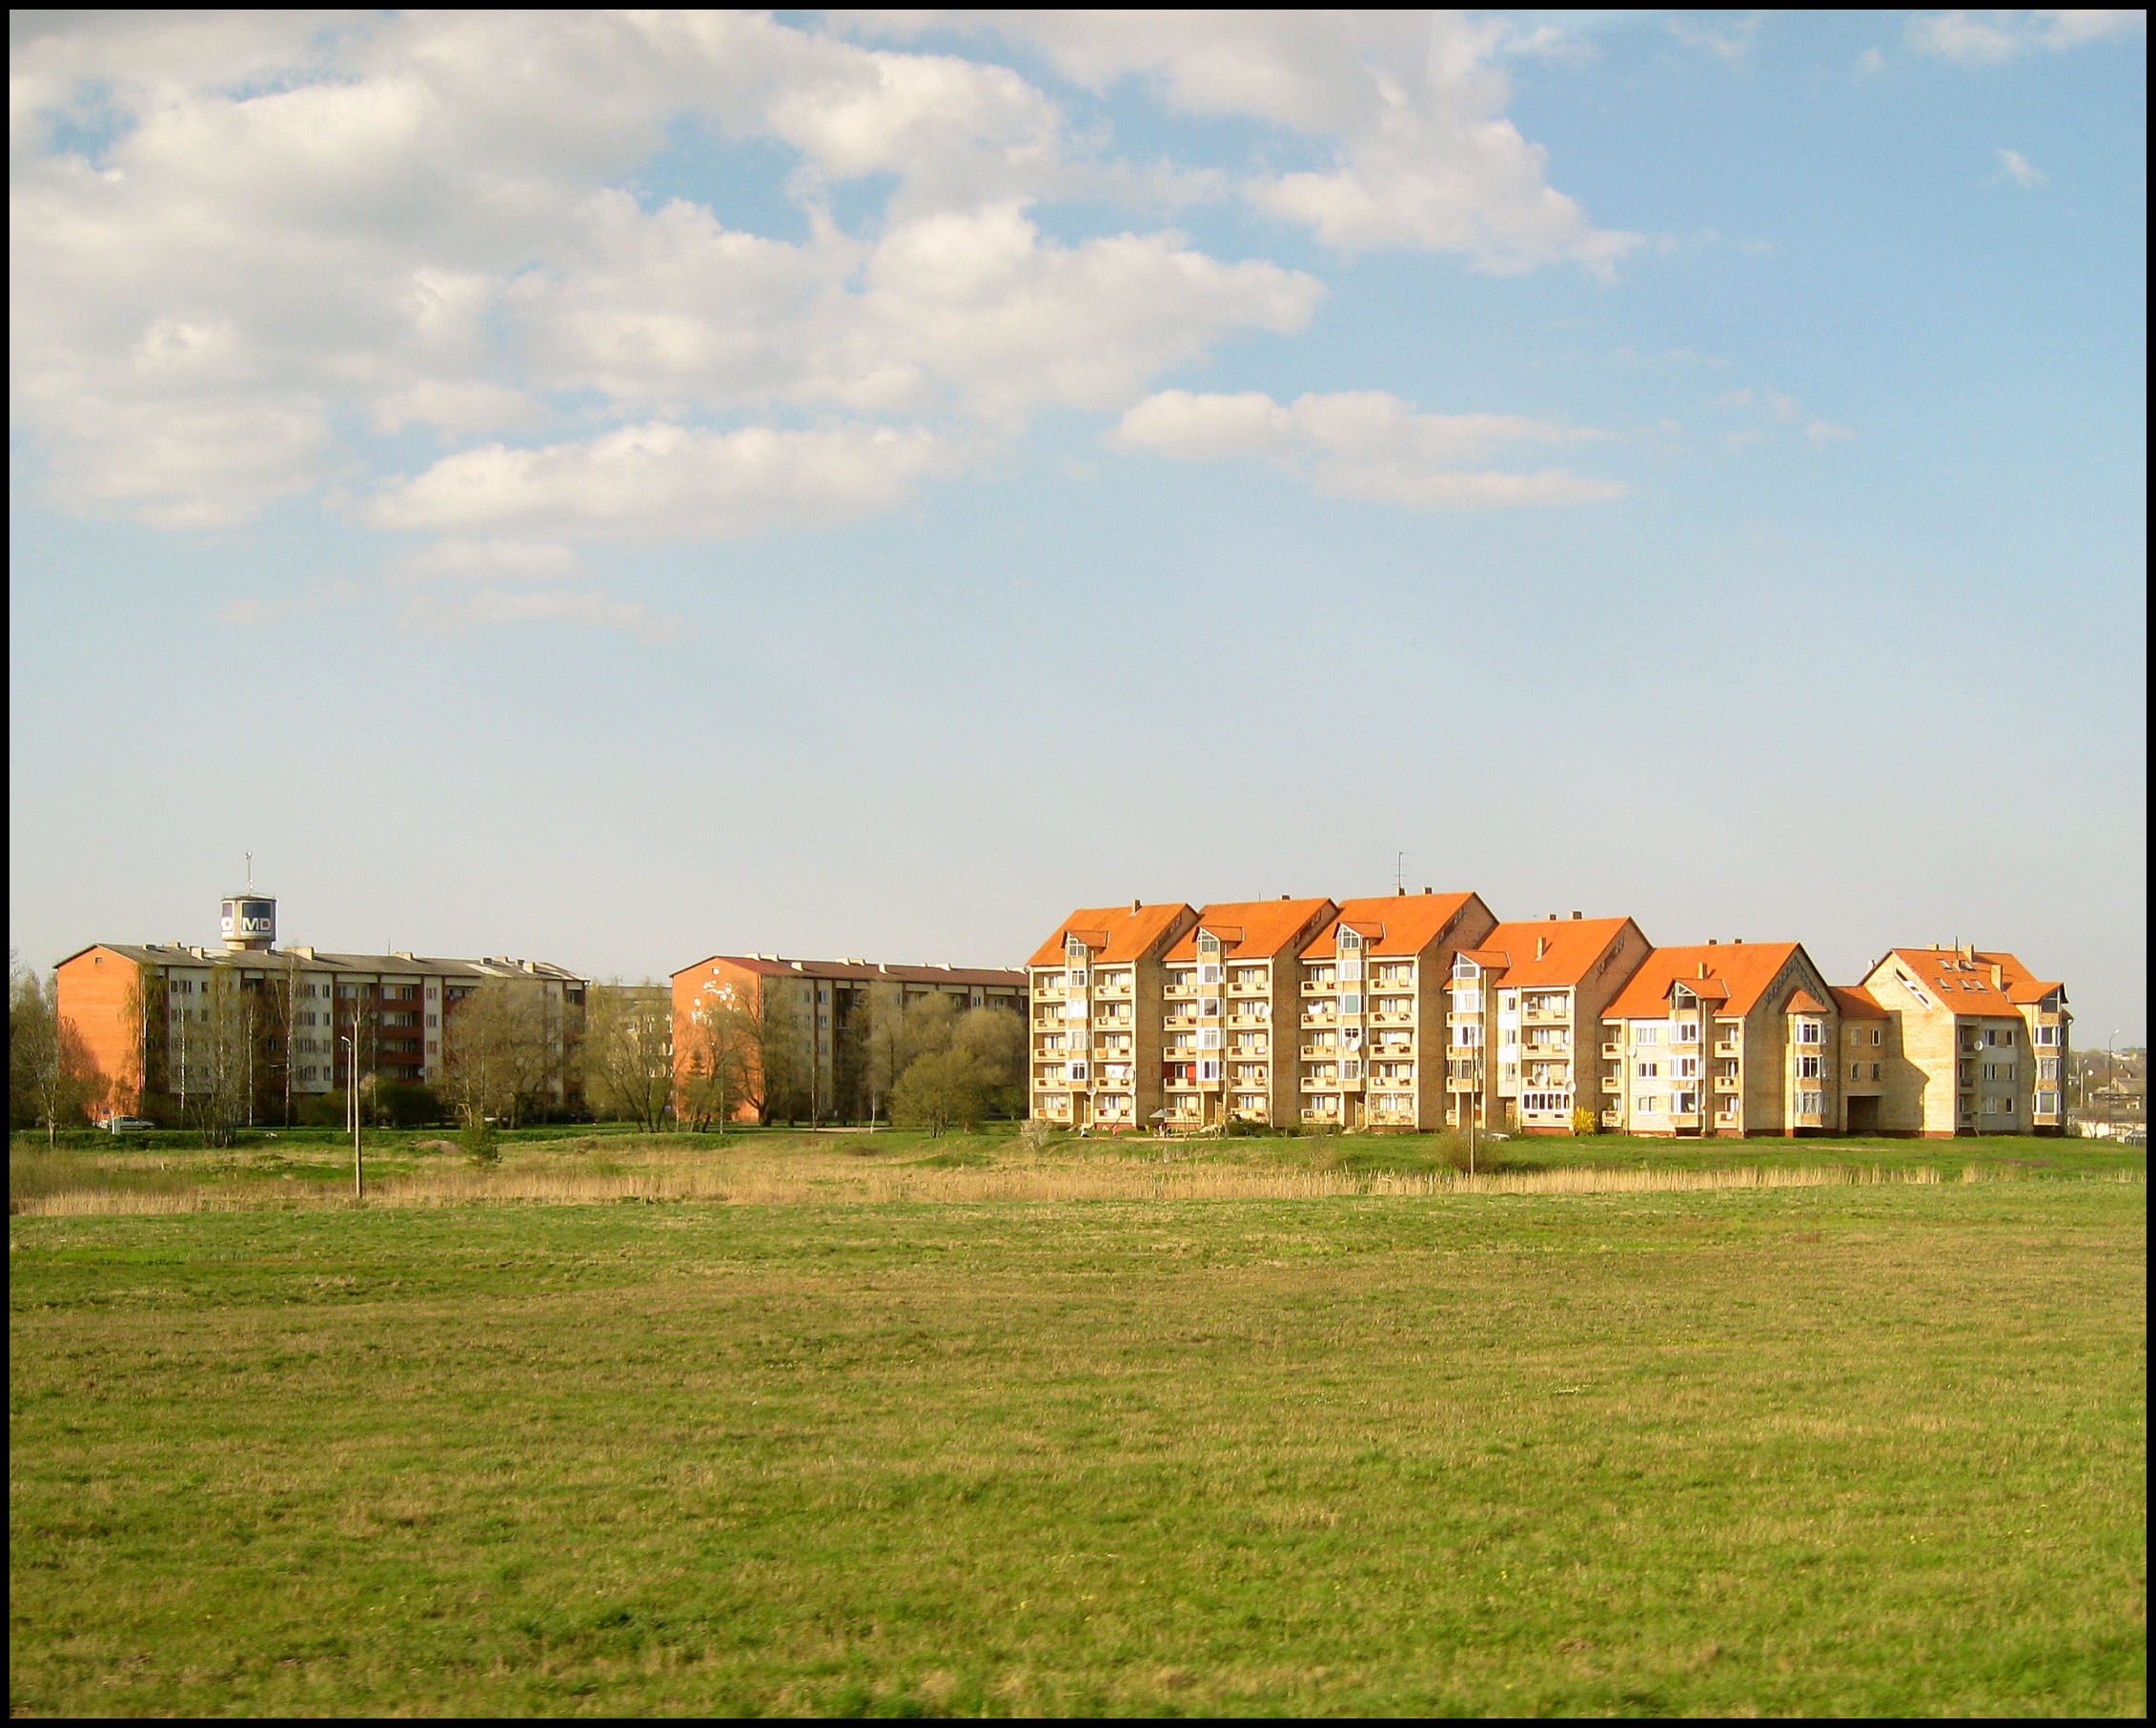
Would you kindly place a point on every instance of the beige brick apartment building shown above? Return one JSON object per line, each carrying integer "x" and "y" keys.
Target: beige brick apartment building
{"x": 1098, "y": 987}
{"x": 1376, "y": 987}
{"x": 1422, "y": 1011}
{"x": 1977, "y": 1044}
{"x": 1731, "y": 1038}
{"x": 1525, "y": 1014}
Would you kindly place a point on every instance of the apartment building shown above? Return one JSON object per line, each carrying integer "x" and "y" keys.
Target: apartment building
{"x": 1730, "y": 1038}
{"x": 1525, "y": 1013}
{"x": 823, "y": 1003}
{"x": 1096, "y": 1036}
{"x": 1979, "y": 1044}
{"x": 1375, "y": 985}
{"x": 164, "y": 1022}
{"x": 1231, "y": 1013}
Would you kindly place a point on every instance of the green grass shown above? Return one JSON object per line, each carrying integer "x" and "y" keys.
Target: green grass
{"x": 1828, "y": 1451}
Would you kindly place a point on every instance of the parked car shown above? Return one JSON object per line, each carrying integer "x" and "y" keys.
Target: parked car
{"x": 126, "y": 1125}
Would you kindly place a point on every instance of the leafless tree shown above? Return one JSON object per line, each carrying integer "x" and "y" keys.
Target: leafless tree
{"x": 627, "y": 1052}
{"x": 500, "y": 1051}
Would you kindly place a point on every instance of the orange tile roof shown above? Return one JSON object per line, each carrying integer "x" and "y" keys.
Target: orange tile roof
{"x": 2021, "y": 984}
{"x": 1397, "y": 924}
{"x": 1249, "y": 929}
{"x": 1743, "y": 968}
{"x": 1113, "y": 933}
{"x": 1963, "y": 984}
{"x": 1857, "y": 1003}
{"x": 1804, "y": 1003}
{"x": 1575, "y": 944}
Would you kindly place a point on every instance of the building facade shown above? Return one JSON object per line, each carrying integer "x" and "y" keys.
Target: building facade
{"x": 1979, "y": 1045}
{"x": 1727, "y": 1039}
{"x": 825, "y": 1005}
{"x": 1376, "y": 987}
{"x": 166, "y": 1023}
{"x": 1095, "y": 1038}
{"x": 1230, "y": 1013}
{"x": 1525, "y": 1016}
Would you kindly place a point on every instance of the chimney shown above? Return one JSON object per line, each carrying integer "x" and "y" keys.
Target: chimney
{"x": 1710, "y": 942}
{"x": 1736, "y": 942}
{"x": 1400, "y": 889}
{"x": 1283, "y": 897}
{"x": 1703, "y": 968}
{"x": 1997, "y": 976}
{"x": 1576, "y": 914}
{"x": 1553, "y": 918}
{"x": 1135, "y": 904}
{"x": 1426, "y": 887}
{"x": 1541, "y": 946}
{"x": 1968, "y": 953}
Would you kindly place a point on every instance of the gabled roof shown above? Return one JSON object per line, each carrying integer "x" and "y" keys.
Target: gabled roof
{"x": 1741, "y": 970}
{"x": 1398, "y": 925}
{"x": 1961, "y": 981}
{"x": 1574, "y": 946}
{"x": 1804, "y": 1003}
{"x": 1857, "y": 1003}
{"x": 1251, "y": 929}
{"x": 2021, "y": 984}
{"x": 862, "y": 970}
{"x": 1113, "y": 933}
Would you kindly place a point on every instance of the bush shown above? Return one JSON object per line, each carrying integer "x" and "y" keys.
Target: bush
{"x": 403, "y": 1106}
{"x": 476, "y": 1138}
{"x": 1034, "y": 1136}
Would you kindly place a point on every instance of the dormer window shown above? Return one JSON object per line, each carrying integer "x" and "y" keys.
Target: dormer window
{"x": 1349, "y": 938}
{"x": 1683, "y": 997}
{"x": 1207, "y": 942}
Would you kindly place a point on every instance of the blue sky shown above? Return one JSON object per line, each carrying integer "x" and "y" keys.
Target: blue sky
{"x": 622, "y": 491}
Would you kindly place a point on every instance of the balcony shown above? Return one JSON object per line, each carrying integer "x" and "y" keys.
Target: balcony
{"x": 1319, "y": 1053}
{"x": 1332, "y": 1115}
{"x": 1177, "y": 991}
{"x": 1545, "y": 1016}
{"x": 1250, "y": 990}
{"x": 1613, "y": 1083}
{"x": 1111, "y": 989}
{"x": 1728, "y": 1083}
{"x": 1172, "y": 1021}
{"x": 1322, "y": 1017}
{"x": 1613, "y": 1118}
{"x": 1312, "y": 987}
{"x": 1733, "y": 1046}
{"x": 1612, "y": 1052}
{"x": 1259, "y": 1018}
{"x": 1394, "y": 1017}
{"x": 1310, "y": 1084}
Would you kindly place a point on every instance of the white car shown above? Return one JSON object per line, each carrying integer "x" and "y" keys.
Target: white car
{"x": 126, "y": 1125}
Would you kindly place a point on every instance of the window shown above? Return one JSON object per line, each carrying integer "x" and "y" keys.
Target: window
{"x": 1207, "y": 942}
{"x": 2047, "y": 1035}
{"x": 1209, "y": 977}
{"x": 1464, "y": 968}
{"x": 1855, "y": 1070}
{"x": 1811, "y": 1103}
{"x": 1074, "y": 1010}
{"x": 1646, "y": 1034}
{"x": 1545, "y": 1102}
{"x": 1467, "y": 1036}
{"x": 1508, "y": 1034}
{"x": 1808, "y": 1068}
{"x": 1209, "y": 1071}
{"x": 1349, "y": 938}
{"x": 1686, "y": 1067}
{"x": 1688, "y": 1031}
{"x": 1467, "y": 1001}
{"x": 1647, "y": 1070}
{"x": 1878, "y": 1035}
{"x": 1209, "y": 1038}
{"x": 2047, "y": 1104}
{"x": 2048, "y": 1067}
{"x": 1077, "y": 978}
{"x": 1352, "y": 1002}
{"x": 1208, "y": 1006}
{"x": 1351, "y": 968}
{"x": 1508, "y": 1002}
{"x": 1808, "y": 1032}
{"x": 1875, "y": 1070}
{"x": 1647, "y": 1103}
{"x": 1687, "y": 1104}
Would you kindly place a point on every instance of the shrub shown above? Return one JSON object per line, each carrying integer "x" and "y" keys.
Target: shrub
{"x": 481, "y": 1147}
{"x": 1034, "y": 1136}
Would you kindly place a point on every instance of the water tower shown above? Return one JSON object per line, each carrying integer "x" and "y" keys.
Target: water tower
{"x": 250, "y": 919}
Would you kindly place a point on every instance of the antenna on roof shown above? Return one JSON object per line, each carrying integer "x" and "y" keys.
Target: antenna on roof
{"x": 249, "y": 857}
{"x": 1400, "y": 872}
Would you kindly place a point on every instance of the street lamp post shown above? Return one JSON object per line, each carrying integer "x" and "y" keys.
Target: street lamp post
{"x": 2111, "y": 1087}
{"x": 352, "y": 1098}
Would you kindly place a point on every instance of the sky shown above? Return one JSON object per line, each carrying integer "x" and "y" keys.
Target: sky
{"x": 616, "y": 490}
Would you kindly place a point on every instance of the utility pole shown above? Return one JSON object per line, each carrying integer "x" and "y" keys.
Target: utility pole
{"x": 351, "y": 1099}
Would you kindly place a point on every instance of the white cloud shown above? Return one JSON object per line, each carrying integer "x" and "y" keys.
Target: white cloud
{"x": 1994, "y": 38}
{"x": 1727, "y": 37}
{"x": 252, "y": 612}
{"x": 470, "y": 406}
{"x": 970, "y": 309}
{"x": 591, "y": 609}
{"x": 1409, "y": 105}
{"x": 1825, "y": 432}
{"x": 659, "y": 481}
{"x": 2016, "y": 169}
{"x": 1367, "y": 444}
{"x": 467, "y": 561}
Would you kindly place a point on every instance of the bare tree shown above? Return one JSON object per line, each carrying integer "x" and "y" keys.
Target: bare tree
{"x": 52, "y": 1076}
{"x": 500, "y": 1051}
{"x": 779, "y": 1074}
{"x": 627, "y": 1051}
{"x": 220, "y": 1044}
{"x": 717, "y": 1062}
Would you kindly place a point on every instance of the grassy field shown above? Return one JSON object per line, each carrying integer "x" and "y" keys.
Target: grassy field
{"x": 1842, "y": 1448}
